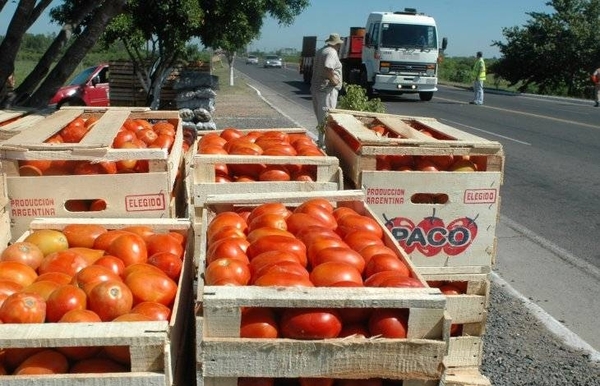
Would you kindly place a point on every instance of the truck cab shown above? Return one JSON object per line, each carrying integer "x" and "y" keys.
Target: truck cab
{"x": 400, "y": 54}
{"x": 88, "y": 88}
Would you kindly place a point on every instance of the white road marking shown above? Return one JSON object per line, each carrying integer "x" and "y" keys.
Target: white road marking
{"x": 487, "y": 132}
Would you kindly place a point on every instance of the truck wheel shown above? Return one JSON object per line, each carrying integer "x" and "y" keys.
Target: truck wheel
{"x": 368, "y": 86}
{"x": 70, "y": 102}
{"x": 426, "y": 96}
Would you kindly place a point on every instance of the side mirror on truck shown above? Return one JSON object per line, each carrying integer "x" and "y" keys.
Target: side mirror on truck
{"x": 444, "y": 43}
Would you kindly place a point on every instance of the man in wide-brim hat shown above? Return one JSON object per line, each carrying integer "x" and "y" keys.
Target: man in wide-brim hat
{"x": 326, "y": 79}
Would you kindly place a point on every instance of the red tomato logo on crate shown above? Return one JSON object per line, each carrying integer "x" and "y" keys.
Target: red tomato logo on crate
{"x": 431, "y": 235}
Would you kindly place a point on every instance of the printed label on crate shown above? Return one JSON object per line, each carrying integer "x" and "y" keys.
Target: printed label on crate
{"x": 440, "y": 219}
{"x": 145, "y": 202}
{"x": 33, "y": 207}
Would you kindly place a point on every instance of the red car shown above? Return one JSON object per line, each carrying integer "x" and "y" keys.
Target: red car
{"x": 89, "y": 88}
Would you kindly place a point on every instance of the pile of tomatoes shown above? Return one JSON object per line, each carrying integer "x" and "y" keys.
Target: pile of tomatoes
{"x": 133, "y": 134}
{"x": 311, "y": 245}
{"x": 86, "y": 273}
{"x": 431, "y": 163}
{"x": 233, "y": 141}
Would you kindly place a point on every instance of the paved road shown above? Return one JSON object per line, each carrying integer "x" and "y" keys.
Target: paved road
{"x": 548, "y": 249}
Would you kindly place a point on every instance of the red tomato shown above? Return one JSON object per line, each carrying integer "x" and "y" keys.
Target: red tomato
{"x": 97, "y": 366}
{"x": 91, "y": 275}
{"x": 401, "y": 282}
{"x": 169, "y": 263}
{"x": 23, "y": 307}
{"x": 283, "y": 268}
{"x": 151, "y": 287}
{"x": 141, "y": 267}
{"x": 132, "y": 317}
{"x": 66, "y": 261}
{"x": 43, "y": 288}
{"x": 271, "y": 207}
{"x": 281, "y": 150}
{"x": 360, "y": 239}
{"x": 57, "y": 277}
{"x": 258, "y": 322}
{"x": 17, "y": 272}
{"x": 153, "y": 310}
{"x": 385, "y": 262}
{"x": 332, "y": 272}
{"x": 63, "y": 299}
{"x": 265, "y": 231}
{"x": 130, "y": 248}
{"x": 9, "y": 287}
{"x": 342, "y": 211}
{"x": 310, "y": 323}
{"x": 122, "y": 137}
{"x": 275, "y": 279}
{"x": 163, "y": 141}
{"x": 227, "y": 271}
{"x": 321, "y": 213}
{"x": 110, "y": 299}
{"x": 376, "y": 249}
{"x": 23, "y": 252}
{"x": 83, "y": 235}
{"x": 268, "y": 258}
{"x": 230, "y": 133}
{"x": 104, "y": 240}
{"x": 280, "y": 243}
{"x": 141, "y": 230}
{"x": 113, "y": 263}
{"x": 267, "y": 220}
{"x": 298, "y": 221}
{"x": 225, "y": 219}
{"x": 339, "y": 254}
{"x": 164, "y": 242}
{"x": 80, "y": 316}
{"x": 47, "y": 361}
{"x": 148, "y": 136}
{"x": 90, "y": 255}
{"x": 309, "y": 234}
{"x": 351, "y": 222}
{"x": 274, "y": 173}
{"x": 376, "y": 279}
{"x": 322, "y": 202}
{"x": 325, "y": 242}
{"x": 233, "y": 248}
{"x": 389, "y": 322}
{"x": 226, "y": 232}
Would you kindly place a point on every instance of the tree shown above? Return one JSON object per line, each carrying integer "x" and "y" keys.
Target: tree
{"x": 234, "y": 24}
{"x": 554, "y": 53}
{"x": 27, "y": 12}
{"x": 75, "y": 53}
{"x": 166, "y": 26}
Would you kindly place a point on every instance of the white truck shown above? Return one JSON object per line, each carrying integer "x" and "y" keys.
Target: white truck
{"x": 401, "y": 54}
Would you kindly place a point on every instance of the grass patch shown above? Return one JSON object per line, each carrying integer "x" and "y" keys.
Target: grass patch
{"x": 240, "y": 86}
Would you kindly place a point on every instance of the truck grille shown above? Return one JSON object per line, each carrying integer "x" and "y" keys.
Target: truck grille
{"x": 408, "y": 68}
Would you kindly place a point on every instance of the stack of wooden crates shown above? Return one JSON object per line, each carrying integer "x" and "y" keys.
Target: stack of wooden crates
{"x": 158, "y": 350}
{"x": 445, "y": 220}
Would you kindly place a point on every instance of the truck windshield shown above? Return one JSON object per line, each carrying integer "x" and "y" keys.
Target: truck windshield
{"x": 82, "y": 77}
{"x": 408, "y": 36}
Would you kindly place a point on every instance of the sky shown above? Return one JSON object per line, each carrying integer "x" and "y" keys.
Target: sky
{"x": 469, "y": 25}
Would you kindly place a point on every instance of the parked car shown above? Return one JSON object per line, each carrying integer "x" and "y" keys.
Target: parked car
{"x": 251, "y": 59}
{"x": 273, "y": 61}
{"x": 88, "y": 88}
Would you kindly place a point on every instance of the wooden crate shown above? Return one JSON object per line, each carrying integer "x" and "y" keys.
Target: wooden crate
{"x": 15, "y": 119}
{"x": 397, "y": 196}
{"x": 222, "y": 356}
{"x": 469, "y": 310}
{"x": 455, "y": 377}
{"x": 329, "y": 175}
{"x": 5, "y": 234}
{"x": 348, "y": 137}
{"x": 158, "y": 350}
{"x": 130, "y": 195}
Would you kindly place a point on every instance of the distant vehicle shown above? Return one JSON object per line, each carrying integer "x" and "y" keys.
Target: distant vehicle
{"x": 89, "y": 88}
{"x": 273, "y": 61}
{"x": 251, "y": 59}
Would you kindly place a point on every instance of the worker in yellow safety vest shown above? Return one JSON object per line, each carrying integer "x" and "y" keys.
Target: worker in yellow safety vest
{"x": 478, "y": 78}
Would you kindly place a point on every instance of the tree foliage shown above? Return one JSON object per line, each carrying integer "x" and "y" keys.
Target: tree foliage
{"x": 553, "y": 53}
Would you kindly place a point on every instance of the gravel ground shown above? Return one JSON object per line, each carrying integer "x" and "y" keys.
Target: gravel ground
{"x": 518, "y": 348}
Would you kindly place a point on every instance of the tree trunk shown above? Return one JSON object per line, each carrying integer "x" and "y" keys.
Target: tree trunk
{"x": 43, "y": 66}
{"x": 230, "y": 60}
{"x": 12, "y": 41}
{"x": 75, "y": 53}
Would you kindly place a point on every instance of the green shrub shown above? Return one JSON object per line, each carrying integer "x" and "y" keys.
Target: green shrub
{"x": 356, "y": 99}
